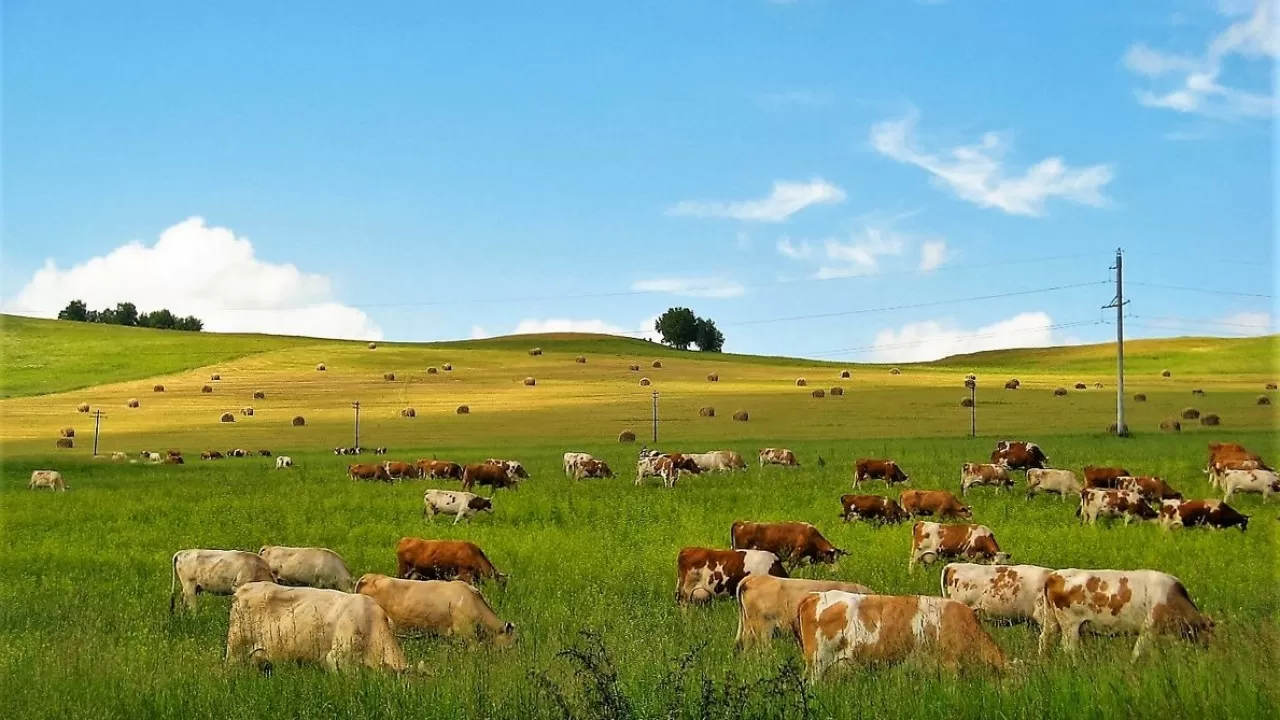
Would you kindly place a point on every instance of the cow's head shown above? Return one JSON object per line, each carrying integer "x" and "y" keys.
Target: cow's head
{"x": 1001, "y": 558}
{"x": 688, "y": 465}
{"x": 1143, "y": 510}
{"x": 480, "y": 504}
{"x": 517, "y": 469}
{"x": 965, "y": 511}
{"x": 506, "y": 636}
{"x": 831, "y": 554}
{"x": 899, "y": 475}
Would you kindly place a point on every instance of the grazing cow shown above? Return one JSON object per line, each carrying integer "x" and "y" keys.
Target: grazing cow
{"x": 1096, "y": 503}
{"x": 1008, "y": 593}
{"x": 872, "y": 508}
{"x": 1231, "y": 456}
{"x": 1105, "y": 478}
{"x": 592, "y": 469}
{"x": 210, "y": 455}
{"x": 1253, "y": 481}
{"x": 264, "y": 453}
{"x": 1060, "y": 482}
{"x": 513, "y": 468}
{"x": 400, "y": 470}
{"x": 840, "y": 627}
{"x": 283, "y": 461}
{"x": 1203, "y": 513}
{"x": 439, "y": 470}
{"x": 119, "y": 456}
{"x": 495, "y": 476}
{"x": 173, "y": 453}
{"x": 1152, "y": 489}
{"x": 930, "y": 503}
{"x": 376, "y": 451}
{"x": 51, "y": 479}
{"x": 793, "y": 542}
{"x": 1222, "y": 467}
{"x": 152, "y": 457}
{"x": 1112, "y": 602}
{"x": 704, "y": 573}
{"x": 718, "y": 461}
{"x": 778, "y": 456}
{"x": 341, "y": 631}
{"x": 238, "y": 452}
{"x": 887, "y": 470}
{"x": 767, "y": 604}
{"x": 931, "y": 541}
{"x": 972, "y": 474}
{"x": 449, "y": 608}
{"x": 217, "y": 572}
{"x": 462, "y": 505}
{"x": 667, "y": 467}
{"x": 173, "y": 460}
{"x": 368, "y": 471}
{"x": 572, "y": 459}
{"x": 347, "y": 450}
{"x": 418, "y": 559}
{"x": 1019, "y": 455}
{"x": 309, "y": 566}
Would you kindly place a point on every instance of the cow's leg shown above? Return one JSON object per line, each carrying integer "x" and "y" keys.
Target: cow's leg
{"x": 457, "y": 517}
{"x": 189, "y": 591}
{"x": 1071, "y": 637}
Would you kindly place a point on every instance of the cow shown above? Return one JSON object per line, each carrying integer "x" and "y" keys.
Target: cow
{"x": 778, "y": 456}
{"x": 1128, "y": 504}
{"x": 1152, "y": 489}
{"x": 419, "y": 559}
{"x": 1144, "y": 602}
{"x": 264, "y": 453}
{"x": 376, "y": 451}
{"x": 308, "y": 566}
{"x": 1254, "y": 481}
{"x": 400, "y": 470}
{"x": 238, "y": 452}
{"x": 1007, "y": 593}
{"x": 173, "y": 460}
{"x": 705, "y": 573}
{"x": 934, "y": 503}
{"x": 217, "y": 572}
{"x": 1019, "y": 455}
{"x": 341, "y": 631}
{"x": 1201, "y": 513}
{"x": 462, "y": 505}
{"x": 931, "y": 541}
{"x": 51, "y": 479}
{"x": 347, "y": 450}
{"x": 718, "y": 461}
{"x": 1106, "y": 478}
{"x": 1222, "y": 467}
{"x": 973, "y": 474}
{"x": 767, "y": 604}
{"x": 793, "y": 542}
{"x": 283, "y": 461}
{"x": 448, "y": 608}
{"x": 592, "y": 469}
{"x": 495, "y": 476}
{"x": 887, "y": 470}
{"x": 152, "y": 457}
{"x": 210, "y": 455}
{"x": 841, "y": 627}
{"x": 117, "y": 456}
{"x": 1231, "y": 456}
{"x": 513, "y": 468}
{"x": 368, "y": 471}
{"x": 173, "y": 453}
{"x": 667, "y": 466}
{"x": 872, "y": 508}
{"x": 573, "y": 459}
{"x": 439, "y": 470}
{"x": 1060, "y": 482}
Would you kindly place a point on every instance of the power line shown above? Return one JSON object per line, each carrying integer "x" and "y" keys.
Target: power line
{"x": 1199, "y": 290}
{"x": 1195, "y": 321}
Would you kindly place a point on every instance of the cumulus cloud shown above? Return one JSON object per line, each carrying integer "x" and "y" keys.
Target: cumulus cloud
{"x": 709, "y": 287}
{"x": 976, "y": 173}
{"x": 932, "y": 254}
{"x": 209, "y": 272}
{"x": 931, "y": 340}
{"x": 787, "y": 199}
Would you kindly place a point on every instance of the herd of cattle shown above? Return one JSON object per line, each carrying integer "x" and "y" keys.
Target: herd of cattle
{"x": 304, "y": 604}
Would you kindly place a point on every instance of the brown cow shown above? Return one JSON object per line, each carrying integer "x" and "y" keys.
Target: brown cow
{"x": 934, "y": 502}
{"x": 439, "y": 469}
{"x": 400, "y": 470}
{"x": 931, "y": 541}
{"x": 704, "y": 573}
{"x": 1128, "y": 504}
{"x": 591, "y": 468}
{"x": 419, "y": 559}
{"x": 495, "y": 476}
{"x": 1019, "y": 455}
{"x": 792, "y": 542}
{"x": 1152, "y": 489}
{"x": 872, "y": 508}
{"x": 367, "y": 471}
{"x": 1201, "y": 513}
{"x": 871, "y": 469}
{"x": 173, "y": 460}
{"x": 1107, "y": 478}
{"x": 1230, "y": 456}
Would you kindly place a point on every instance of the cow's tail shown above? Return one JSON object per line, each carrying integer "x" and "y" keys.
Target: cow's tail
{"x": 947, "y": 573}
{"x": 733, "y": 534}
{"x": 173, "y": 583}
{"x": 742, "y": 614}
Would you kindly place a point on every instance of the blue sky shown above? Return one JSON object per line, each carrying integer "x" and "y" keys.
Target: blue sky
{"x": 422, "y": 171}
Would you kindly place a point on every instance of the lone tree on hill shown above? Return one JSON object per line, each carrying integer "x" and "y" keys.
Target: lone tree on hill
{"x": 680, "y": 328}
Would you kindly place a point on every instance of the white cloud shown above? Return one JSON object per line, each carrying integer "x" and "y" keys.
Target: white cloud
{"x": 976, "y": 172}
{"x": 710, "y": 287}
{"x": 194, "y": 269}
{"x": 787, "y": 199}
{"x": 860, "y": 256}
{"x": 479, "y": 333}
{"x": 931, "y": 340}
{"x": 1250, "y": 323}
{"x": 792, "y": 250}
{"x": 1197, "y": 87}
{"x": 932, "y": 254}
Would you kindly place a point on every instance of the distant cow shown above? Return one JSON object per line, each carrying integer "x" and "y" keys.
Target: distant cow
{"x": 778, "y": 456}
{"x": 376, "y": 451}
{"x": 1254, "y": 481}
{"x": 217, "y": 572}
{"x": 1127, "y": 504}
{"x": 767, "y": 604}
{"x": 792, "y": 542}
{"x": 368, "y": 471}
{"x": 283, "y": 461}
{"x": 869, "y": 469}
{"x": 1152, "y": 489}
{"x": 1019, "y": 455}
{"x": 718, "y": 461}
{"x": 210, "y": 455}
{"x": 51, "y": 479}
{"x": 1230, "y": 456}
{"x": 592, "y": 468}
{"x": 573, "y": 459}
{"x": 1009, "y": 593}
{"x": 238, "y": 452}
{"x": 668, "y": 467}
{"x": 439, "y": 470}
{"x": 934, "y": 503}
{"x": 461, "y": 505}
{"x": 1106, "y": 478}
{"x": 173, "y": 460}
{"x": 444, "y": 560}
{"x": 1201, "y": 513}
{"x": 973, "y": 474}
{"x": 400, "y": 470}
{"x": 704, "y": 573}
{"x": 310, "y": 566}
{"x": 493, "y": 476}
{"x": 1060, "y": 482}
{"x": 448, "y": 608}
{"x": 872, "y": 508}
{"x": 931, "y": 541}
{"x": 264, "y": 453}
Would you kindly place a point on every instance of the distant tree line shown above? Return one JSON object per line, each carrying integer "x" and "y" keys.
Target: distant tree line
{"x": 680, "y": 328}
{"x": 127, "y": 314}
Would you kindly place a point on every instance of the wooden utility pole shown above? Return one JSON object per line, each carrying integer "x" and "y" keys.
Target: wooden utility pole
{"x": 97, "y": 421}
{"x": 356, "y": 406}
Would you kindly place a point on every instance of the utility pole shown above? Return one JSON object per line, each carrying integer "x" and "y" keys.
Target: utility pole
{"x": 973, "y": 406}
{"x": 97, "y": 420}
{"x": 1118, "y": 303}
{"x": 356, "y": 406}
{"x": 655, "y": 417}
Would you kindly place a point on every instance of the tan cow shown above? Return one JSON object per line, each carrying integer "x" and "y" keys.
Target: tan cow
{"x": 973, "y": 474}
{"x": 439, "y": 469}
{"x": 449, "y": 608}
{"x": 778, "y": 456}
{"x": 217, "y": 572}
{"x": 767, "y": 604}
{"x": 308, "y": 566}
{"x": 718, "y": 461}
{"x": 1060, "y": 482}
{"x": 51, "y": 479}
{"x": 1009, "y": 593}
{"x": 933, "y": 503}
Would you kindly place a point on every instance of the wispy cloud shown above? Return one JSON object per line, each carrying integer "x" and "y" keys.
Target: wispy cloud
{"x": 708, "y": 287}
{"x": 787, "y": 199}
{"x": 860, "y": 255}
{"x": 933, "y": 253}
{"x": 976, "y": 172}
{"x": 795, "y": 251}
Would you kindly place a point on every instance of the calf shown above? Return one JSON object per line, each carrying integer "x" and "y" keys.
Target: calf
{"x": 1106, "y": 478}
{"x": 444, "y": 560}
{"x": 1009, "y": 593}
{"x": 931, "y": 541}
{"x": 973, "y": 474}
{"x": 309, "y": 566}
{"x": 1254, "y": 481}
{"x": 939, "y": 503}
{"x": 1128, "y": 504}
{"x": 767, "y": 604}
{"x": 494, "y": 476}
{"x": 449, "y": 608}
{"x": 1060, "y": 482}
{"x": 1152, "y": 489}
{"x": 439, "y": 470}
{"x": 217, "y": 572}
{"x": 887, "y": 470}
{"x": 778, "y": 456}
{"x": 1019, "y": 455}
{"x": 704, "y": 573}
{"x": 592, "y": 469}
{"x": 51, "y": 479}
{"x": 872, "y": 508}
{"x": 1201, "y": 513}
{"x": 368, "y": 471}
{"x": 792, "y": 542}
{"x": 461, "y": 505}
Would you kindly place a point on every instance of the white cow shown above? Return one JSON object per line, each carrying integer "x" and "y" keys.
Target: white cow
{"x": 462, "y": 505}
{"x": 283, "y": 461}
{"x": 574, "y": 459}
{"x": 1256, "y": 481}
{"x": 997, "y": 592}
{"x": 51, "y": 479}
{"x": 217, "y": 572}
{"x": 308, "y": 566}
{"x": 153, "y": 457}
{"x": 718, "y": 461}
{"x": 116, "y": 456}
{"x": 1062, "y": 482}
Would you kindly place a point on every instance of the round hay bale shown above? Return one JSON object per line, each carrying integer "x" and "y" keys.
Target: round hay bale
{"x": 67, "y": 432}
{"x": 227, "y": 417}
{"x": 246, "y": 411}
{"x": 1197, "y": 391}
{"x": 133, "y": 403}
{"x": 1264, "y": 400}
{"x": 1140, "y": 397}
{"x": 157, "y": 388}
{"x": 65, "y": 443}
{"x": 801, "y": 382}
{"x": 389, "y": 377}
{"x": 1165, "y": 373}
{"x": 837, "y": 391}
{"x": 320, "y": 367}
{"x": 215, "y": 377}
{"x": 1059, "y": 392}
{"x": 1011, "y": 385}
{"x": 707, "y": 411}
{"x": 463, "y": 410}
{"x": 895, "y": 371}
{"x": 534, "y": 352}
{"x": 819, "y": 393}
{"x": 741, "y": 416}
{"x": 206, "y": 388}
{"x": 633, "y": 367}
{"x": 1170, "y": 425}
{"x": 713, "y": 377}
{"x": 259, "y": 395}
{"x": 447, "y": 367}
{"x": 581, "y": 359}
{"x": 1097, "y": 386}
{"x": 530, "y": 382}
{"x": 966, "y": 402}
{"x": 1190, "y": 413}
{"x": 433, "y": 370}
{"x": 626, "y": 436}
{"x": 82, "y": 407}
{"x": 644, "y": 382}
{"x": 299, "y": 421}
{"x": 373, "y": 346}
{"x": 1210, "y": 419}
{"x": 408, "y": 412}
{"x": 657, "y": 363}
{"x": 844, "y": 375}
{"x": 1080, "y": 386}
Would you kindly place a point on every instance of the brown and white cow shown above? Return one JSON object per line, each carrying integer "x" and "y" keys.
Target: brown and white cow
{"x": 419, "y": 559}
{"x": 1060, "y": 482}
{"x": 1252, "y": 481}
{"x": 494, "y": 476}
{"x": 706, "y": 573}
{"x": 1201, "y": 513}
{"x": 1008, "y": 593}
{"x": 778, "y": 456}
{"x": 400, "y": 470}
{"x": 1127, "y": 504}
{"x": 210, "y": 455}
{"x": 308, "y": 566}
{"x": 368, "y": 471}
{"x": 51, "y": 479}
{"x": 1142, "y": 602}
{"x": 973, "y": 474}
{"x": 1231, "y": 456}
{"x": 871, "y": 469}
{"x": 217, "y": 572}
{"x": 1152, "y": 489}
{"x": 840, "y": 627}
{"x": 931, "y": 541}
{"x": 1106, "y": 478}
{"x": 872, "y": 508}
{"x": 573, "y": 459}
{"x": 461, "y": 505}
{"x": 513, "y": 467}
{"x": 592, "y": 468}
{"x": 1019, "y": 455}
{"x": 934, "y": 503}
{"x": 793, "y": 542}
{"x": 439, "y": 469}
{"x": 767, "y": 604}
{"x": 448, "y": 608}
{"x": 668, "y": 467}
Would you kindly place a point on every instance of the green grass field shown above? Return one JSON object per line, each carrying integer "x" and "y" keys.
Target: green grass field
{"x": 84, "y": 575}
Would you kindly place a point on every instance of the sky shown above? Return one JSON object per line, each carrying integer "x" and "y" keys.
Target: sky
{"x": 868, "y": 181}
